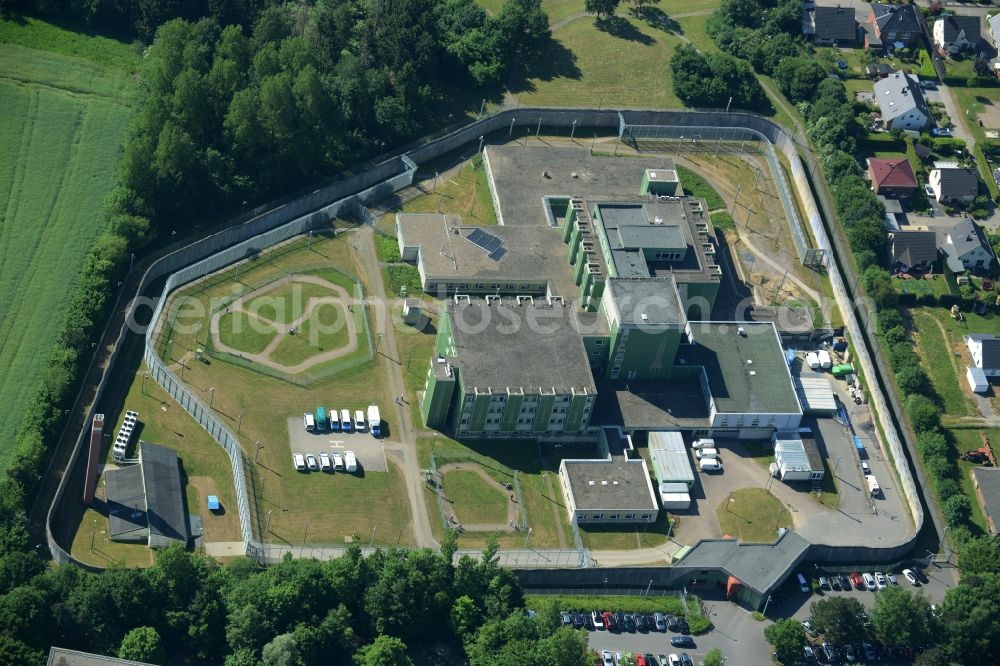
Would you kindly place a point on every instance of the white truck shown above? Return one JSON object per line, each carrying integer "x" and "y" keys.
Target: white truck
{"x": 873, "y": 487}
{"x": 374, "y": 420}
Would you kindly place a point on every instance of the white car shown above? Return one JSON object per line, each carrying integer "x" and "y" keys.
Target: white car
{"x": 941, "y": 131}
{"x": 891, "y": 579}
{"x": 865, "y": 468}
{"x": 324, "y": 462}
{"x": 607, "y": 659}
{"x": 911, "y": 577}
{"x": 673, "y": 659}
{"x": 869, "y": 581}
{"x": 807, "y": 625}
{"x": 928, "y": 190}
{"x": 597, "y": 619}
{"x": 359, "y": 420}
{"x": 338, "y": 461}
{"x": 706, "y": 453}
{"x": 880, "y": 580}
{"x": 299, "y": 461}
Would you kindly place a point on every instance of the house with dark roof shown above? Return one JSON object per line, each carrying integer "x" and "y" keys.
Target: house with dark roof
{"x": 878, "y": 70}
{"x": 901, "y": 102}
{"x": 913, "y": 249}
{"x": 954, "y": 184}
{"x": 834, "y": 26}
{"x": 965, "y": 247}
{"x": 146, "y": 501}
{"x": 954, "y": 34}
{"x": 892, "y": 177}
{"x": 986, "y": 481}
{"x": 985, "y": 351}
{"x": 892, "y": 24}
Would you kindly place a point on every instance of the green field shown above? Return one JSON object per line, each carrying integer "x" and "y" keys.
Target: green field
{"x": 239, "y": 331}
{"x": 324, "y": 330}
{"x": 65, "y": 100}
{"x": 587, "y": 66}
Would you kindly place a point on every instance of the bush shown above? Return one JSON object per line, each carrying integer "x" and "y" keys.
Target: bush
{"x": 923, "y": 413}
{"x": 387, "y": 248}
{"x": 956, "y": 509}
{"x": 723, "y": 221}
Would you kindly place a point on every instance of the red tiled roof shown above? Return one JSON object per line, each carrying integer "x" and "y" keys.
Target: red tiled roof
{"x": 891, "y": 173}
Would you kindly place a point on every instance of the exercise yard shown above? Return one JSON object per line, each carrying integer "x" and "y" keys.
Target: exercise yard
{"x": 255, "y": 400}
{"x": 752, "y": 515}
{"x": 477, "y": 501}
{"x": 292, "y": 324}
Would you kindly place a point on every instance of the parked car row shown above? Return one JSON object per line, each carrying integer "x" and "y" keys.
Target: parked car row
{"x": 340, "y": 420}
{"x": 647, "y": 659}
{"x": 853, "y": 653}
{"x": 618, "y": 621}
{"x": 873, "y": 582}
{"x": 327, "y": 462}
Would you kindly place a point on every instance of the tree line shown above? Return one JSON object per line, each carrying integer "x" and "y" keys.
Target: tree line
{"x": 378, "y": 610}
{"x": 250, "y": 100}
{"x": 963, "y": 630}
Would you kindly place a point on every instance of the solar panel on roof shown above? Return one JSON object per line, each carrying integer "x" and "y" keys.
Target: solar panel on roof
{"x": 493, "y": 244}
{"x": 476, "y": 235}
{"x": 497, "y": 253}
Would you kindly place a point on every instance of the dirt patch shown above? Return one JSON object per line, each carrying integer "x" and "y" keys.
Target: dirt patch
{"x": 512, "y": 517}
{"x": 990, "y": 115}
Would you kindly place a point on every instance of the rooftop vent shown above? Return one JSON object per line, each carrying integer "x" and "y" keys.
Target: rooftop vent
{"x": 491, "y": 298}
{"x": 749, "y": 361}
{"x": 753, "y": 373}
{"x": 574, "y": 175}
{"x": 590, "y": 483}
{"x": 742, "y": 332}
{"x": 462, "y": 299}
{"x": 604, "y": 483}
{"x": 521, "y": 300}
{"x": 657, "y": 220}
{"x": 645, "y": 317}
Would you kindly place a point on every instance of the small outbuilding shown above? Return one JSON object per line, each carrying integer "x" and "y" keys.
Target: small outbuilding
{"x": 815, "y": 393}
{"x": 796, "y": 459}
{"x": 674, "y": 496}
{"x": 977, "y": 379}
{"x": 612, "y": 490}
{"x": 412, "y": 311}
{"x": 669, "y": 458}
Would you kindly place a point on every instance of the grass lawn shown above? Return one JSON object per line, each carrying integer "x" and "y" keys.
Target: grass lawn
{"x": 672, "y": 605}
{"x": 465, "y": 193}
{"x": 936, "y": 286}
{"x": 585, "y": 66}
{"x": 975, "y": 101}
{"x": 696, "y": 186}
{"x": 962, "y": 68}
{"x": 247, "y": 334}
{"x": 543, "y": 500}
{"x": 315, "y": 508}
{"x": 474, "y": 500}
{"x": 752, "y": 515}
{"x": 627, "y": 537}
{"x": 858, "y": 85}
{"x": 387, "y": 248}
{"x": 287, "y": 303}
{"x": 695, "y": 29}
{"x": 66, "y": 100}
{"x": 415, "y": 346}
{"x": 324, "y": 330}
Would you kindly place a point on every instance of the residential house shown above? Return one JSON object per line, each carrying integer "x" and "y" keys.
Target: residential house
{"x": 965, "y": 248}
{"x": 892, "y": 177}
{"x": 892, "y": 24}
{"x": 913, "y": 249}
{"x": 985, "y": 351}
{"x": 986, "y": 481}
{"x": 834, "y": 26}
{"x": 954, "y": 184}
{"x": 901, "y": 102}
{"x": 954, "y": 34}
{"x": 993, "y": 28}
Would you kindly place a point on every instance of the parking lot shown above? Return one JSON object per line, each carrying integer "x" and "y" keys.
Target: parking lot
{"x": 371, "y": 457}
{"x": 737, "y": 634}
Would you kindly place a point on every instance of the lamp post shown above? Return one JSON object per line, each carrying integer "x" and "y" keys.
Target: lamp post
{"x": 482, "y": 108}
{"x": 256, "y": 456}
{"x": 572, "y": 131}
{"x": 728, "y": 103}
{"x": 480, "y": 145}
{"x": 511, "y": 130}
{"x": 211, "y": 401}
{"x": 267, "y": 528}
{"x": 239, "y": 427}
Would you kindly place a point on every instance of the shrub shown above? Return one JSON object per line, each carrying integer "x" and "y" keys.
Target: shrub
{"x": 923, "y": 413}
{"x": 956, "y": 509}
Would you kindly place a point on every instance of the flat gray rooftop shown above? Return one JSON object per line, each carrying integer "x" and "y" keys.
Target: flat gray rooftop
{"x": 517, "y": 173}
{"x": 530, "y": 347}
{"x": 648, "y": 301}
{"x": 126, "y": 504}
{"x": 747, "y": 373}
{"x": 446, "y": 252}
{"x": 610, "y": 485}
{"x": 650, "y": 405}
{"x": 161, "y": 476}
{"x": 759, "y": 566}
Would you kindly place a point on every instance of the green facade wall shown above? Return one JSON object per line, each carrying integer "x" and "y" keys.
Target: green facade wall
{"x": 438, "y": 396}
{"x": 596, "y": 347}
{"x": 544, "y": 413}
{"x": 512, "y": 410}
{"x": 574, "y": 416}
{"x": 480, "y": 409}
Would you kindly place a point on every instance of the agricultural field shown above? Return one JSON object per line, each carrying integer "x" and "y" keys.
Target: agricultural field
{"x": 66, "y": 99}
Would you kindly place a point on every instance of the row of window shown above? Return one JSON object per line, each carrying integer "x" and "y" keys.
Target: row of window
{"x": 616, "y": 516}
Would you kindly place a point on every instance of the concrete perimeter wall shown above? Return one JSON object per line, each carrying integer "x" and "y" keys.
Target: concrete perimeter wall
{"x": 346, "y": 196}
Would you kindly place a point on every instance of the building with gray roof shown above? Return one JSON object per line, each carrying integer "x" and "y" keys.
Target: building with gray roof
{"x": 743, "y": 375}
{"x": 993, "y": 28}
{"x": 954, "y": 184}
{"x": 901, "y": 102}
{"x": 795, "y": 458}
{"x": 612, "y": 490}
{"x": 986, "y": 481}
{"x": 953, "y": 34}
{"x": 985, "y": 351}
{"x": 146, "y": 501}
{"x": 63, "y": 657}
{"x": 913, "y": 248}
{"x": 749, "y": 572}
{"x": 834, "y": 25}
{"x": 965, "y": 247}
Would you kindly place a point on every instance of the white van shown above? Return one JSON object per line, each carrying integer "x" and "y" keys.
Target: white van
{"x": 873, "y": 488}
{"x": 710, "y": 465}
{"x": 309, "y": 421}
{"x": 703, "y": 454}
{"x": 803, "y": 583}
{"x": 345, "y": 420}
{"x": 704, "y": 443}
{"x": 359, "y": 420}
{"x": 300, "y": 462}
{"x": 350, "y": 462}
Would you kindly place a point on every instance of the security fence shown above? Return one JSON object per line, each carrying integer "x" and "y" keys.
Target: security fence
{"x": 349, "y": 198}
